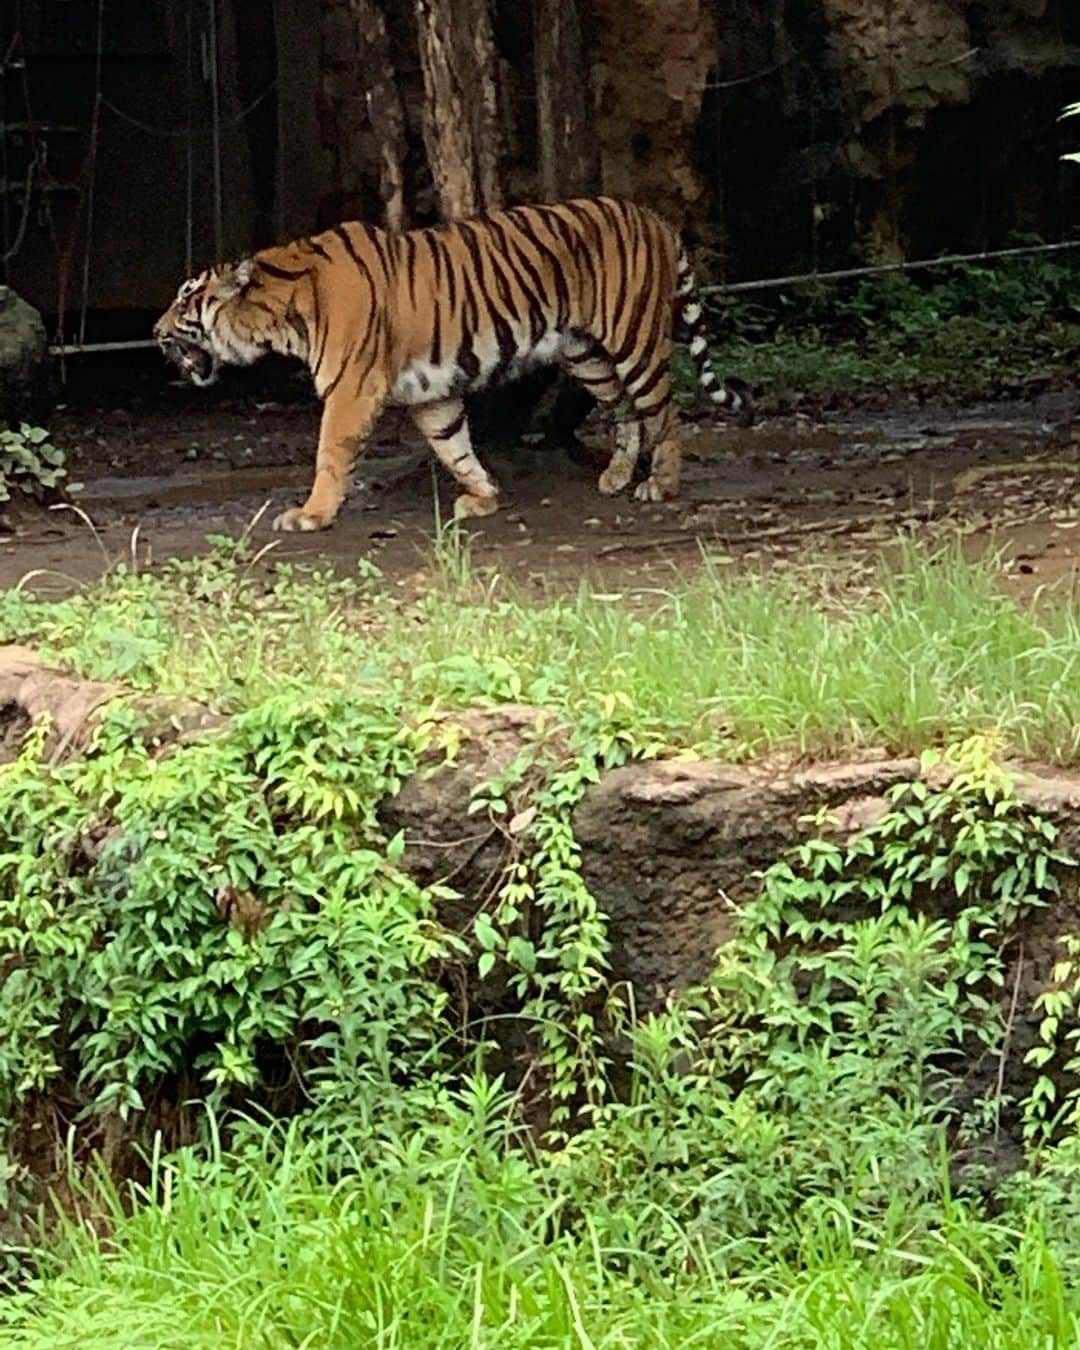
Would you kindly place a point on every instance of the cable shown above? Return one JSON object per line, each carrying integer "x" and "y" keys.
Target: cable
{"x": 170, "y": 131}
{"x": 920, "y": 264}
{"x": 767, "y": 283}
{"x": 95, "y": 130}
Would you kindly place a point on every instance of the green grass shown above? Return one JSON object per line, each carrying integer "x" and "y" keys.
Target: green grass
{"x": 272, "y": 1251}
{"x": 957, "y": 359}
{"x": 735, "y": 665}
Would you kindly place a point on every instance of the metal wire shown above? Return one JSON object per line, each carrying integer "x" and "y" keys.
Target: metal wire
{"x": 95, "y": 134}
{"x": 740, "y": 287}
{"x": 766, "y": 283}
{"x": 920, "y": 264}
{"x": 24, "y": 219}
{"x": 177, "y": 133}
{"x": 88, "y": 348}
{"x": 215, "y": 106}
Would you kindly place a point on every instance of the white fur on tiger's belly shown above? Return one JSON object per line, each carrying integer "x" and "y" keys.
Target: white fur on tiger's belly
{"x": 421, "y": 381}
{"x": 424, "y": 382}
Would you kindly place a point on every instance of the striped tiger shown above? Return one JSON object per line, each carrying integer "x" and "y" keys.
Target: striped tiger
{"x": 423, "y": 317}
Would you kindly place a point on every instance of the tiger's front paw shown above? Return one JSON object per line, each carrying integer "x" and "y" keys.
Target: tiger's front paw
{"x": 470, "y": 505}
{"x": 614, "y": 478}
{"x": 298, "y": 521}
{"x": 652, "y": 491}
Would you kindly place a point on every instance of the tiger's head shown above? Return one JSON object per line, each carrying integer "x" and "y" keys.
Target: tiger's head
{"x": 220, "y": 317}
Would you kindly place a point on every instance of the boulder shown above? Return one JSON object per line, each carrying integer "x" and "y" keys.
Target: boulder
{"x": 23, "y": 361}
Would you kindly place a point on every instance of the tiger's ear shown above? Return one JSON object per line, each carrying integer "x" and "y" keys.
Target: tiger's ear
{"x": 236, "y": 278}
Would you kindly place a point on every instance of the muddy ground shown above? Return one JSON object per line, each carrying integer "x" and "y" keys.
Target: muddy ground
{"x": 179, "y": 464}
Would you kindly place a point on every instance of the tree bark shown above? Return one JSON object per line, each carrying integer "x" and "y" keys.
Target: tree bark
{"x": 384, "y": 108}
{"x": 569, "y": 163}
{"x": 461, "y": 123}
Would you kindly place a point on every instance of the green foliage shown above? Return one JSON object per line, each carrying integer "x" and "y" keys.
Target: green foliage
{"x": 823, "y": 1058}
{"x": 29, "y": 462}
{"x": 731, "y": 666}
{"x": 188, "y": 916}
{"x": 958, "y": 331}
{"x": 775, "y": 1173}
{"x": 212, "y": 627}
{"x": 447, "y": 1240}
{"x": 547, "y": 926}
{"x": 766, "y": 1159}
{"x": 1050, "y": 1110}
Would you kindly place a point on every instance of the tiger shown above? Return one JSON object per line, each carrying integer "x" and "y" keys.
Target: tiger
{"x": 423, "y": 317}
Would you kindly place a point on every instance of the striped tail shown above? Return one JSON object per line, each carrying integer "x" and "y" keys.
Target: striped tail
{"x": 731, "y": 393}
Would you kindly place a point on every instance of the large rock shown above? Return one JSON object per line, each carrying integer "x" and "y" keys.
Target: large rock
{"x": 23, "y": 361}
{"x": 31, "y": 689}
{"x": 650, "y": 64}
{"x": 444, "y": 843}
{"x": 668, "y": 848}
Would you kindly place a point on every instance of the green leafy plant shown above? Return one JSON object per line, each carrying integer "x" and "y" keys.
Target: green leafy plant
{"x": 185, "y": 916}
{"x": 765, "y": 1158}
{"x": 960, "y": 330}
{"x": 1050, "y": 1109}
{"x": 948, "y": 870}
{"x": 29, "y": 462}
{"x": 823, "y": 1060}
{"x": 546, "y": 924}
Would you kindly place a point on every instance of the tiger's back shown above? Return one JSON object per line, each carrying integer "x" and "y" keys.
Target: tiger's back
{"x": 480, "y": 301}
{"x": 424, "y": 317}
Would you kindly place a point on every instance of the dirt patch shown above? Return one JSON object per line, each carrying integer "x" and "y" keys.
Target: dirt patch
{"x": 175, "y": 465}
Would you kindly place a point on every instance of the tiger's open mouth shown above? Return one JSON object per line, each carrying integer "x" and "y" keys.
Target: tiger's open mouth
{"x": 199, "y": 365}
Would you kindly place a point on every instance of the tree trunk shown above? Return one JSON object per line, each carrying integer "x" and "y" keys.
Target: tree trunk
{"x": 650, "y": 62}
{"x": 461, "y": 123}
{"x": 569, "y": 164}
{"x": 383, "y": 106}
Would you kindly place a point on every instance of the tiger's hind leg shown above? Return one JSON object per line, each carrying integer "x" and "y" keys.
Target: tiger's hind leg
{"x": 594, "y": 369}
{"x": 649, "y": 390}
{"x": 662, "y": 484}
{"x": 446, "y": 428}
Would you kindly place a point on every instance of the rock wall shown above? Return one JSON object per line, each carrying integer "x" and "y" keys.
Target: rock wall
{"x": 878, "y": 129}
{"x": 788, "y": 133}
{"x": 650, "y": 60}
{"x": 669, "y": 847}
{"x": 647, "y": 63}
{"x": 896, "y": 61}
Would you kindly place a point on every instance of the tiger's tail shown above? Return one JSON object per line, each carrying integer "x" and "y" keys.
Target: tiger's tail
{"x": 732, "y": 392}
